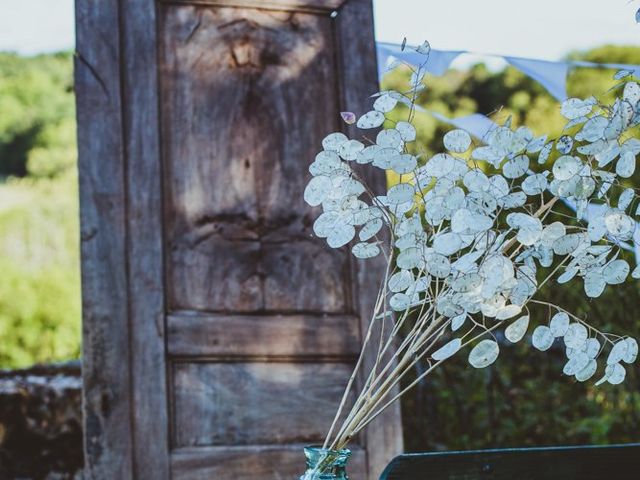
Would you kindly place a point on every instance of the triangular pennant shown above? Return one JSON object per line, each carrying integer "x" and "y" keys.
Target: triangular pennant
{"x": 438, "y": 61}
{"x": 552, "y": 75}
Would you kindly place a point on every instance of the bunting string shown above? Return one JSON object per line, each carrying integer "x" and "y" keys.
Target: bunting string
{"x": 552, "y": 75}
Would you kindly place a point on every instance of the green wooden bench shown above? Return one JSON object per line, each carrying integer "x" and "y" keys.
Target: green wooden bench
{"x": 554, "y": 463}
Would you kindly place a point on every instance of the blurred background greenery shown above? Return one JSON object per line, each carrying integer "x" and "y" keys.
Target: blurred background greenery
{"x": 522, "y": 400}
{"x": 39, "y": 265}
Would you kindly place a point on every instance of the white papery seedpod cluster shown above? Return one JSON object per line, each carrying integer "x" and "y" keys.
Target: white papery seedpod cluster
{"x": 470, "y": 240}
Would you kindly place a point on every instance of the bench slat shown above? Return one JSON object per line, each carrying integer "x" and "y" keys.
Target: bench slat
{"x": 566, "y": 463}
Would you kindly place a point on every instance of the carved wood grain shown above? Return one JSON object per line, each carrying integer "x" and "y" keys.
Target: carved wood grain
{"x": 239, "y": 238}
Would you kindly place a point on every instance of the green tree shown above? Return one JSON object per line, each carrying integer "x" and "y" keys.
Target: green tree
{"x": 35, "y": 93}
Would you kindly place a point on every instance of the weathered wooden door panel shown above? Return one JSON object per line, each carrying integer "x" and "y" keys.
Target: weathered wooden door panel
{"x": 237, "y": 89}
{"x": 242, "y": 327}
{"x": 255, "y": 403}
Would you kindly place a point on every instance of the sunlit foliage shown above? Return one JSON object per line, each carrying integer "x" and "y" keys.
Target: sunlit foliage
{"x": 39, "y": 250}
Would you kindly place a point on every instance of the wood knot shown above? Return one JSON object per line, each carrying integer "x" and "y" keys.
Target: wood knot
{"x": 247, "y": 54}
{"x": 242, "y": 54}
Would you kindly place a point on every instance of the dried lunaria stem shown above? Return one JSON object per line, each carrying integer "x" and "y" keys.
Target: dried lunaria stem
{"x": 470, "y": 240}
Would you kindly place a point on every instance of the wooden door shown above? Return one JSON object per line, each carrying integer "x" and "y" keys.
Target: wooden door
{"x": 218, "y": 332}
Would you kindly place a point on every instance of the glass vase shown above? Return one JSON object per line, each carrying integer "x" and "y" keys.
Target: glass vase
{"x": 325, "y": 464}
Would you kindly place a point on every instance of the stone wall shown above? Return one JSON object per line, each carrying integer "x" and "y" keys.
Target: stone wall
{"x": 41, "y": 423}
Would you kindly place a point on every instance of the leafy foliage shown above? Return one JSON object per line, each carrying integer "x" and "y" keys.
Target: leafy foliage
{"x": 39, "y": 251}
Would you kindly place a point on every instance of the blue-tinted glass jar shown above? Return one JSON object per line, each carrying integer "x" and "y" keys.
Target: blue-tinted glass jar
{"x": 324, "y": 464}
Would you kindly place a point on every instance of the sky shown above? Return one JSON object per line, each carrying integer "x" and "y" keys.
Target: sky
{"x": 34, "y": 26}
{"x": 545, "y": 29}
